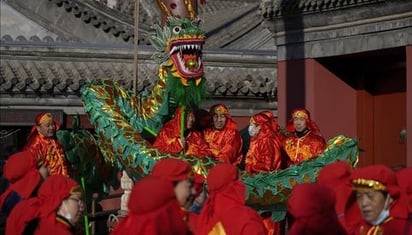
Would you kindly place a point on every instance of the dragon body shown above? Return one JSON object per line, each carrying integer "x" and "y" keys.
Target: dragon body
{"x": 120, "y": 117}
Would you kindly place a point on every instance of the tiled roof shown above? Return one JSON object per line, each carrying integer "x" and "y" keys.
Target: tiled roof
{"x": 62, "y": 71}
{"x": 276, "y": 8}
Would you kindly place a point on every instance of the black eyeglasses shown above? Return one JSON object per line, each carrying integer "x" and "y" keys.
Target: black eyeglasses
{"x": 79, "y": 201}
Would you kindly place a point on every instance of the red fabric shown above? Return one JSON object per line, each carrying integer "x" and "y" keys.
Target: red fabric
{"x": 153, "y": 210}
{"x": 391, "y": 226}
{"x": 404, "y": 177}
{"x": 264, "y": 152}
{"x": 312, "y": 209}
{"x": 225, "y": 205}
{"x": 48, "y": 149}
{"x": 51, "y": 225}
{"x": 172, "y": 169}
{"x": 304, "y": 148}
{"x": 50, "y": 195}
{"x": 310, "y": 124}
{"x": 275, "y": 125}
{"x": 22, "y": 173}
{"x": 337, "y": 177}
{"x": 387, "y": 177}
{"x": 225, "y": 144}
{"x": 169, "y": 139}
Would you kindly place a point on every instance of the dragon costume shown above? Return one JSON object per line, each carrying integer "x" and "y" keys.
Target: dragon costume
{"x": 120, "y": 117}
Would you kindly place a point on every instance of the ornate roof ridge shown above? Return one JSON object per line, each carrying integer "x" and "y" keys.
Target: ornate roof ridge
{"x": 270, "y": 9}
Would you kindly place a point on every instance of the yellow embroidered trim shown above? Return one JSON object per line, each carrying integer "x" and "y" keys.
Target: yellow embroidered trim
{"x": 46, "y": 118}
{"x": 362, "y": 183}
{"x": 220, "y": 110}
{"x": 300, "y": 114}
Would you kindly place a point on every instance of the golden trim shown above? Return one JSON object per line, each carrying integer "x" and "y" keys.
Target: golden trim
{"x": 300, "y": 114}
{"x": 47, "y": 117}
{"x": 362, "y": 183}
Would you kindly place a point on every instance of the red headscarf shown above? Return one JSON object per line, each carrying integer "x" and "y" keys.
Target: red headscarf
{"x": 44, "y": 117}
{"x": 382, "y": 178}
{"x": 172, "y": 170}
{"x": 312, "y": 208}
{"x": 22, "y": 173}
{"x": 264, "y": 151}
{"x": 153, "y": 210}
{"x": 51, "y": 193}
{"x": 337, "y": 177}
{"x": 305, "y": 114}
{"x": 220, "y": 109}
{"x": 404, "y": 177}
{"x": 225, "y": 203}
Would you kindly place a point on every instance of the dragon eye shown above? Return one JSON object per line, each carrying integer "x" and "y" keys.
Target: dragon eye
{"x": 177, "y": 29}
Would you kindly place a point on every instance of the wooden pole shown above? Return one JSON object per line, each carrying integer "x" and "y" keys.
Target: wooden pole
{"x": 136, "y": 40}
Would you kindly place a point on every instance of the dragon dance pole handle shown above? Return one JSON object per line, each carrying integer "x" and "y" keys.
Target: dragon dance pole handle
{"x": 182, "y": 126}
{"x": 85, "y": 215}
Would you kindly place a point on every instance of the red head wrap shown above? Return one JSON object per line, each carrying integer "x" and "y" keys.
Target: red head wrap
{"x": 153, "y": 210}
{"x": 312, "y": 207}
{"x": 221, "y": 109}
{"x": 22, "y": 173}
{"x": 44, "y": 117}
{"x": 150, "y": 194}
{"x": 225, "y": 191}
{"x": 220, "y": 176}
{"x": 172, "y": 169}
{"x": 335, "y": 174}
{"x": 305, "y": 114}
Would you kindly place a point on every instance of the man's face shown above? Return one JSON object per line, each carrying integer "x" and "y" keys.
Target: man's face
{"x": 300, "y": 124}
{"x": 371, "y": 202}
{"x": 185, "y": 192}
{"x": 190, "y": 120}
{"x": 219, "y": 121}
{"x": 73, "y": 207}
{"x": 47, "y": 128}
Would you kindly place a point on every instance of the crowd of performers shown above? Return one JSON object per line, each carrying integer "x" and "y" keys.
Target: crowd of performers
{"x": 41, "y": 197}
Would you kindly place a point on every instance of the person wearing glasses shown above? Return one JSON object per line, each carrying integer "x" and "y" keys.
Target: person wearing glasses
{"x": 57, "y": 209}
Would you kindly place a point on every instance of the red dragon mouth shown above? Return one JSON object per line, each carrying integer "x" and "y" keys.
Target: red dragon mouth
{"x": 187, "y": 56}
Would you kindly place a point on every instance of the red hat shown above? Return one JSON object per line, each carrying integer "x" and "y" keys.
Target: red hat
{"x": 381, "y": 178}
{"x": 172, "y": 169}
{"x": 305, "y": 114}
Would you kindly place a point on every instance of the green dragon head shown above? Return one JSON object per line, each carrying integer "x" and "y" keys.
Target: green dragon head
{"x": 179, "y": 45}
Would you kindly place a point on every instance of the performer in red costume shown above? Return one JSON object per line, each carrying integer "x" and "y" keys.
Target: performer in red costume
{"x": 382, "y": 203}
{"x": 305, "y": 142}
{"x": 264, "y": 152}
{"x": 190, "y": 142}
{"x": 337, "y": 177}
{"x": 224, "y": 211}
{"x": 153, "y": 210}
{"x": 223, "y": 138}
{"x": 58, "y": 208}
{"x": 44, "y": 143}
{"x": 312, "y": 209}
{"x": 25, "y": 176}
